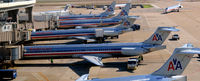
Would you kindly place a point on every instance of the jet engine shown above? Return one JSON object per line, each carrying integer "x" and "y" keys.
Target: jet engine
{"x": 133, "y": 51}
{"x": 135, "y": 27}
{"x": 111, "y": 33}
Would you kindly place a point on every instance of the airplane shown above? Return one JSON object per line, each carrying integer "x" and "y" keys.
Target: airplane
{"x": 90, "y": 34}
{"x": 95, "y": 52}
{"x": 170, "y": 71}
{"x": 173, "y": 8}
{"x": 57, "y": 12}
{"x": 49, "y": 15}
{"x": 120, "y": 6}
{"x": 108, "y": 13}
{"x": 96, "y": 22}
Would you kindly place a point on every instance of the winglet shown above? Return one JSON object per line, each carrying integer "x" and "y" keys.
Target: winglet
{"x": 178, "y": 61}
{"x": 83, "y": 77}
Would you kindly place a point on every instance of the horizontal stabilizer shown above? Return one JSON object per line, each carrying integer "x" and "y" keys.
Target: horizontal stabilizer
{"x": 157, "y": 47}
{"x": 190, "y": 51}
{"x": 167, "y": 29}
{"x": 135, "y": 17}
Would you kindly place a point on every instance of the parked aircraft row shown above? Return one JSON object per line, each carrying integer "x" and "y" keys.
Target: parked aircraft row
{"x": 66, "y": 15}
{"x": 89, "y": 34}
{"x": 94, "y": 53}
{"x": 108, "y": 13}
{"x": 96, "y": 22}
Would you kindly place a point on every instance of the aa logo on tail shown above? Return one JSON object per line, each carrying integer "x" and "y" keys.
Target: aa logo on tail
{"x": 123, "y": 13}
{"x": 157, "y": 37}
{"x": 174, "y": 65}
{"x": 126, "y": 23}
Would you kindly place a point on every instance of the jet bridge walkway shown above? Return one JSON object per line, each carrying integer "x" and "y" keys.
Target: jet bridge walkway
{"x": 7, "y": 6}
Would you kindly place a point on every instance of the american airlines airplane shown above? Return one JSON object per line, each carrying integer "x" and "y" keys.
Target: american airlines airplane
{"x": 48, "y": 15}
{"x": 120, "y": 6}
{"x": 95, "y": 52}
{"x": 108, "y": 13}
{"x": 57, "y": 12}
{"x": 96, "y": 22}
{"x": 90, "y": 34}
{"x": 173, "y": 8}
{"x": 170, "y": 71}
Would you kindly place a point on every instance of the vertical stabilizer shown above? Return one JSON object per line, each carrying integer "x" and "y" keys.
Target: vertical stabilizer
{"x": 110, "y": 10}
{"x": 124, "y": 12}
{"x": 127, "y": 23}
{"x": 160, "y": 35}
{"x": 178, "y": 61}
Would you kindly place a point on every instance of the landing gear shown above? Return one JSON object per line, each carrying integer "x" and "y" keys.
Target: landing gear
{"x": 140, "y": 58}
{"x": 85, "y": 41}
{"x": 136, "y": 27}
{"x": 100, "y": 40}
{"x": 177, "y": 10}
{"x": 117, "y": 36}
{"x": 114, "y": 37}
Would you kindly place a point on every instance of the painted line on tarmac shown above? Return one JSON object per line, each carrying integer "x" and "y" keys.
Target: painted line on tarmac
{"x": 155, "y": 6}
{"x": 46, "y": 79}
{"x": 37, "y": 76}
{"x": 40, "y": 76}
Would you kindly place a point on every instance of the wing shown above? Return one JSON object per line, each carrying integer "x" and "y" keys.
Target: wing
{"x": 93, "y": 59}
{"x": 84, "y": 38}
{"x": 83, "y": 77}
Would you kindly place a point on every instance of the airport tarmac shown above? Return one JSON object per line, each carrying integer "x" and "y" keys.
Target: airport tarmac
{"x": 187, "y": 20}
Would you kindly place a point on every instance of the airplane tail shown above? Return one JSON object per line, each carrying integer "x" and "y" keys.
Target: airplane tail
{"x": 178, "y": 61}
{"x": 124, "y": 12}
{"x": 110, "y": 10}
{"x": 160, "y": 35}
{"x": 67, "y": 7}
{"x": 127, "y": 22}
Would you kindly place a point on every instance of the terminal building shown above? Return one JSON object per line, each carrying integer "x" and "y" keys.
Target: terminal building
{"x": 14, "y": 16}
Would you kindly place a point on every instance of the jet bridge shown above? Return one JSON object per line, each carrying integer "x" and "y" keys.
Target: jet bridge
{"x": 11, "y": 8}
{"x": 11, "y": 17}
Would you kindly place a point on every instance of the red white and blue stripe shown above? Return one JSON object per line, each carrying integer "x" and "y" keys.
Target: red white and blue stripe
{"x": 68, "y": 50}
{"x": 51, "y": 34}
{"x": 81, "y": 17}
{"x": 96, "y": 22}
